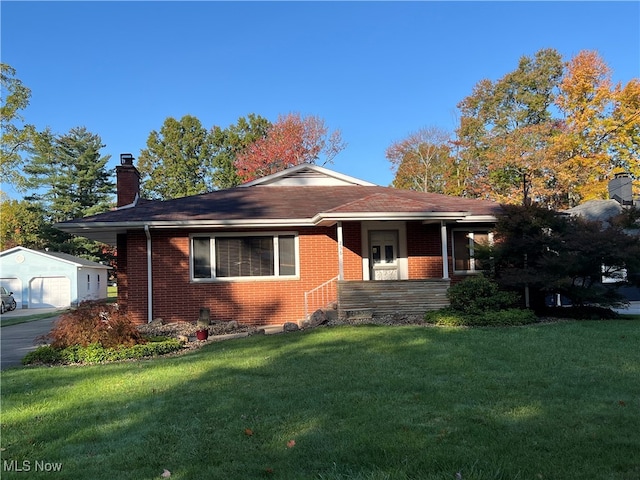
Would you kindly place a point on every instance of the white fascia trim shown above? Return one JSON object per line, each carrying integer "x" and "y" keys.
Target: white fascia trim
{"x": 478, "y": 219}
{"x": 269, "y": 179}
{"x": 324, "y": 218}
{"x": 42, "y": 254}
{"x": 245, "y": 223}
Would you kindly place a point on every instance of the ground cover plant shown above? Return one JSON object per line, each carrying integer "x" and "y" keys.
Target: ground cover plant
{"x": 97, "y": 332}
{"x": 478, "y": 301}
{"x": 545, "y": 401}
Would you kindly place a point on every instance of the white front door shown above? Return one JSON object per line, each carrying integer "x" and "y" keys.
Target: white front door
{"x": 383, "y": 254}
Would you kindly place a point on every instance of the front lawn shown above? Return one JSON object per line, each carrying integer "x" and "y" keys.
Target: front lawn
{"x": 545, "y": 401}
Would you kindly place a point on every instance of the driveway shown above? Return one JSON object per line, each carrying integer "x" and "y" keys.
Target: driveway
{"x": 18, "y": 340}
{"x": 632, "y": 309}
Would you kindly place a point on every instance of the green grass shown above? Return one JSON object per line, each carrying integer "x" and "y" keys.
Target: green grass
{"x": 6, "y": 321}
{"x": 551, "y": 401}
{"x": 112, "y": 293}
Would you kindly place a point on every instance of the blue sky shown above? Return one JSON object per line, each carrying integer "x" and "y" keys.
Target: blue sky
{"x": 375, "y": 70}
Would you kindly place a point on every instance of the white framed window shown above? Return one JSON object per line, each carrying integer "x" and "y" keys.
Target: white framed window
{"x": 250, "y": 256}
{"x": 464, "y": 244}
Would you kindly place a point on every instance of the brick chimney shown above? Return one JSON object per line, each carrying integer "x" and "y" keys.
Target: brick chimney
{"x": 127, "y": 181}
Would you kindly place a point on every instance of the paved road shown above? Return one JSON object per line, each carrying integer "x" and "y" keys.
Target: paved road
{"x": 18, "y": 340}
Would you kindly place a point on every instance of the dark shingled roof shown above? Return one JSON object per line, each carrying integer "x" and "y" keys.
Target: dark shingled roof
{"x": 292, "y": 202}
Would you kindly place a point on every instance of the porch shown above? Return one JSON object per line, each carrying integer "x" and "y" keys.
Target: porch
{"x": 379, "y": 297}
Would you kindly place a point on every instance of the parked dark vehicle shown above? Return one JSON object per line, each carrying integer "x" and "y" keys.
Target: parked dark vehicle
{"x": 8, "y": 302}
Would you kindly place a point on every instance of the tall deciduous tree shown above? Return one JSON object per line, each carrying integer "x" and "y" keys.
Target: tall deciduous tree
{"x": 550, "y": 132}
{"x": 422, "y": 161}
{"x": 505, "y": 125}
{"x": 290, "y": 141}
{"x": 16, "y": 135}
{"x": 22, "y": 224}
{"x": 601, "y": 130}
{"x": 177, "y": 161}
{"x": 228, "y": 143}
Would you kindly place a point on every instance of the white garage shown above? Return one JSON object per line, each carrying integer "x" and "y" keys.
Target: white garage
{"x": 42, "y": 279}
{"x": 49, "y": 292}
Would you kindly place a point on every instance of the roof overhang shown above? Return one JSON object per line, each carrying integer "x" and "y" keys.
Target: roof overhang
{"x": 107, "y": 232}
{"x": 326, "y": 219}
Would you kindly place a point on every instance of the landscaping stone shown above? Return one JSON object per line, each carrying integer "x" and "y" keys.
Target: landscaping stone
{"x": 187, "y": 330}
{"x": 290, "y": 327}
{"x": 318, "y": 318}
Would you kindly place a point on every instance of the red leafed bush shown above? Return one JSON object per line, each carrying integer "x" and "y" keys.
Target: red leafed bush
{"x": 94, "y": 322}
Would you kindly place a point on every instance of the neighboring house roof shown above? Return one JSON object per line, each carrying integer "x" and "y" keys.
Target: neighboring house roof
{"x": 305, "y": 195}
{"x": 597, "y": 210}
{"x": 602, "y": 211}
{"x": 58, "y": 256}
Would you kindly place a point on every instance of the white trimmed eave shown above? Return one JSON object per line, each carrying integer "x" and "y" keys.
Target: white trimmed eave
{"x": 106, "y": 232}
{"x": 327, "y": 219}
{"x": 478, "y": 219}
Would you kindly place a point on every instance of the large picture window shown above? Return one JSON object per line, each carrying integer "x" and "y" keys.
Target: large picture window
{"x": 225, "y": 257}
{"x": 464, "y": 245}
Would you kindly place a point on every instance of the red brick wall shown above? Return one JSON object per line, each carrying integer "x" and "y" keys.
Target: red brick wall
{"x": 424, "y": 250}
{"x": 259, "y": 302}
{"x": 135, "y": 277}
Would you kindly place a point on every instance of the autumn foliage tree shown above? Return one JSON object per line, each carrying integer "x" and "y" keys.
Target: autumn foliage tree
{"x": 422, "y": 161}
{"x": 504, "y": 128}
{"x": 15, "y": 135}
{"x": 601, "y": 128}
{"x": 550, "y": 132}
{"x": 290, "y": 141}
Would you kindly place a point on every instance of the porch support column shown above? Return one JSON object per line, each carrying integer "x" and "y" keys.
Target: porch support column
{"x": 340, "y": 253}
{"x": 445, "y": 258}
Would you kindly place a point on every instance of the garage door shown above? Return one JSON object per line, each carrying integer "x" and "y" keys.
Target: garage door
{"x": 13, "y": 285}
{"x": 49, "y": 292}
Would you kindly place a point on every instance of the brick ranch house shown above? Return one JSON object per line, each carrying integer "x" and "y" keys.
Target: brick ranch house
{"x": 276, "y": 249}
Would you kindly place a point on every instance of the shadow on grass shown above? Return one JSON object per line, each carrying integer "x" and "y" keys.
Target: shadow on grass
{"x": 348, "y": 402}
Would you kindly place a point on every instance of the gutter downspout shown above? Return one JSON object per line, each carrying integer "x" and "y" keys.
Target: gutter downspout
{"x": 149, "y": 276}
{"x": 445, "y": 256}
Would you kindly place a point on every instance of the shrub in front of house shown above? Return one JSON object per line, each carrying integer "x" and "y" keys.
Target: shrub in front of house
{"x": 477, "y": 301}
{"x": 453, "y": 318}
{"x": 96, "y": 353}
{"x": 94, "y": 323}
{"x": 97, "y": 332}
{"x": 478, "y": 294}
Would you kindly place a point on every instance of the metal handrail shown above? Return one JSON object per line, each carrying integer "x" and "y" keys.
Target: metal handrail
{"x": 326, "y": 293}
